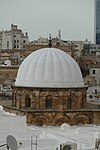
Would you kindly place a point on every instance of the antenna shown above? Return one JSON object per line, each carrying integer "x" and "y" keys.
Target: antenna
{"x": 59, "y": 34}
{"x": 50, "y": 41}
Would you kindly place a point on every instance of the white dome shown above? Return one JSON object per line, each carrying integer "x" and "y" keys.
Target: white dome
{"x": 49, "y": 67}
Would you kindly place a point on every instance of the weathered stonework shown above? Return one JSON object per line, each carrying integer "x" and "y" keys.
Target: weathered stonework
{"x": 59, "y": 97}
{"x": 54, "y": 118}
{"x": 59, "y": 117}
{"x": 68, "y": 106}
{"x": 8, "y": 75}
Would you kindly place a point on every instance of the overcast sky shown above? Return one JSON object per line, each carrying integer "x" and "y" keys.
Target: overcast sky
{"x": 43, "y": 17}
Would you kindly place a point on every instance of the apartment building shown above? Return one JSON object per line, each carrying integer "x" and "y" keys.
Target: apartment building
{"x": 97, "y": 22}
{"x": 13, "y": 39}
{"x": 95, "y": 72}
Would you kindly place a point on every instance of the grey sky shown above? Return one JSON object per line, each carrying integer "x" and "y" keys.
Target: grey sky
{"x": 41, "y": 17}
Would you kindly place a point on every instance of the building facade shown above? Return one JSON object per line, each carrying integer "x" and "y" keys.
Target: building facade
{"x": 13, "y": 39}
{"x": 7, "y": 79}
{"x": 94, "y": 49}
{"x": 95, "y": 72}
{"x": 97, "y": 21}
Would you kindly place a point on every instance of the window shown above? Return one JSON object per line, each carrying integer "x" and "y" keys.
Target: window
{"x": 17, "y": 41}
{"x": 24, "y": 41}
{"x": 7, "y": 75}
{"x": 88, "y": 82}
{"x": 69, "y": 103}
{"x": 14, "y": 41}
{"x": 14, "y": 46}
{"x": 27, "y": 101}
{"x": 48, "y": 102}
{"x": 7, "y": 44}
{"x": 23, "y": 46}
{"x": 15, "y": 99}
{"x": 95, "y": 91}
{"x": 17, "y": 46}
{"x": 93, "y": 71}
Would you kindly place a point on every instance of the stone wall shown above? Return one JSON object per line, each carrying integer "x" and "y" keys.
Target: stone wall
{"x": 54, "y": 118}
{"x": 72, "y": 117}
{"x": 8, "y": 75}
{"x": 62, "y": 98}
{"x": 68, "y": 106}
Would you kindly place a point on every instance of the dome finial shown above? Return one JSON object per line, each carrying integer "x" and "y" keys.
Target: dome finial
{"x": 50, "y": 41}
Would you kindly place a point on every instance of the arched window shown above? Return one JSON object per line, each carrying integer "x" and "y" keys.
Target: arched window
{"x": 69, "y": 103}
{"x": 27, "y": 101}
{"x": 48, "y": 102}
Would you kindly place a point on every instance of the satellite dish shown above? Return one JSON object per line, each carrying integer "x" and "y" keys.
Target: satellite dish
{"x": 11, "y": 142}
{"x": 67, "y": 147}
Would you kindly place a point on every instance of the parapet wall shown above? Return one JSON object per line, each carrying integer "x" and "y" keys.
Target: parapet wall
{"x": 54, "y": 118}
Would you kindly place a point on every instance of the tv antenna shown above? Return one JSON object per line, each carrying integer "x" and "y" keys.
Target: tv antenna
{"x": 50, "y": 41}
{"x": 59, "y": 34}
{"x": 11, "y": 143}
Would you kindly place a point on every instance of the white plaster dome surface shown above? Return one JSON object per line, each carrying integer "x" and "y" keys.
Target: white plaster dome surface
{"x": 49, "y": 67}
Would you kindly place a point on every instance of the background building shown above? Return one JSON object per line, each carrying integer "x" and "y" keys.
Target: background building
{"x": 13, "y": 39}
{"x": 95, "y": 72}
{"x": 97, "y": 21}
